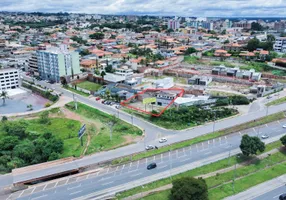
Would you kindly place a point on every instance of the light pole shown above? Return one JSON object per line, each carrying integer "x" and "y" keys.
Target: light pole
{"x": 229, "y": 154}
{"x": 234, "y": 174}
{"x": 132, "y": 117}
{"x": 214, "y": 121}
{"x": 170, "y": 160}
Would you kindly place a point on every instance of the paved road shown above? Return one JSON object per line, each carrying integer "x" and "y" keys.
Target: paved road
{"x": 114, "y": 176}
{"x": 272, "y": 195}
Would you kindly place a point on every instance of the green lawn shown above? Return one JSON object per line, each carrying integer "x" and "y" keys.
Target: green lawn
{"x": 191, "y": 60}
{"x": 76, "y": 91}
{"x": 277, "y": 101}
{"x": 100, "y": 133}
{"x": 66, "y": 129}
{"x": 89, "y": 86}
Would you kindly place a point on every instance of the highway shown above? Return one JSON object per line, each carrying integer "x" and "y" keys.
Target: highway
{"x": 70, "y": 188}
{"x": 273, "y": 194}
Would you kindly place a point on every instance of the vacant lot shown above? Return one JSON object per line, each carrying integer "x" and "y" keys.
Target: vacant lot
{"x": 89, "y": 86}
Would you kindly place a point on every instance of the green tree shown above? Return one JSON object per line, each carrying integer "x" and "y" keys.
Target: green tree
{"x": 256, "y": 26}
{"x": 30, "y": 107}
{"x": 8, "y": 143}
{"x": 97, "y": 36}
{"x": 4, "y": 119}
{"x": 4, "y": 96}
{"x": 102, "y": 74}
{"x": 16, "y": 128}
{"x": 283, "y": 140}
{"x": 25, "y": 151}
{"x": 250, "y": 145}
{"x": 252, "y": 44}
{"x": 189, "y": 188}
{"x": 190, "y": 50}
{"x": 44, "y": 117}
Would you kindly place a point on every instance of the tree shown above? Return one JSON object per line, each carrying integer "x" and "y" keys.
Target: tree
{"x": 256, "y": 26}
{"x": 15, "y": 128}
{"x": 189, "y": 188}
{"x": 97, "y": 36}
{"x": 252, "y": 44}
{"x": 8, "y": 143}
{"x": 271, "y": 38}
{"x": 223, "y": 32}
{"x": 25, "y": 150}
{"x": 190, "y": 51}
{"x": 283, "y": 140}
{"x": 4, "y": 119}
{"x": 44, "y": 117}
{"x": 84, "y": 52}
{"x": 250, "y": 145}
{"x": 30, "y": 107}
{"x": 102, "y": 74}
{"x": 4, "y": 96}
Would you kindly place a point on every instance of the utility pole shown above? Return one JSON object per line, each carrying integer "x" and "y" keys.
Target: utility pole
{"x": 229, "y": 154}
{"x": 234, "y": 174}
{"x": 214, "y": 122}
{"x": 75, "y": 101}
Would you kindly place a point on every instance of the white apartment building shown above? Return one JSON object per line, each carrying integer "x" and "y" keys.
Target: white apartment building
{"x": 280, "y": 45}
{"x": 120, "y": 75}
{"x": 173, "y": 24}
{"x": 56, "y": 63}
{"x": 9, "y": 78}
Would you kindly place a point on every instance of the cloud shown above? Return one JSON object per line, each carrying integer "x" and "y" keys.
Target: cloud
{"x": 224, "y": 8}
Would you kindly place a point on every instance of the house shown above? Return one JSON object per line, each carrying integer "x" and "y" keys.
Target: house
{"x": 164, "y": 98}
{"x": 200, "y": 80}
{"x": 164, "y": 83}
{"x": 221, "y": 53}
{"x": 234, "y": 47}
{"x": 88, "y": 64}
{"x": 191, "y": 100}
{"x": 220, "y": 70}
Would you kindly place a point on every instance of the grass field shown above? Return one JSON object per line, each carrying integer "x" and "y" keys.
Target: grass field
{"x": 77, "y": 92}
{"x": 277, "y": 101}
{"x": 100, "y": 131}
{"x": 89, "y": 86}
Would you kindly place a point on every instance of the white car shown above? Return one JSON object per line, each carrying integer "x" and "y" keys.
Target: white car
{"x": 265, "y": 136}
{"x": 284, "y": 126}
{"x": 162, "y": 140}
{"x": 149, "y": 147}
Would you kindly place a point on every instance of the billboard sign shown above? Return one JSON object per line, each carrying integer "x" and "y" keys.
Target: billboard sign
{"x": 149, "y": 100}
{"x": 81, "y": 131}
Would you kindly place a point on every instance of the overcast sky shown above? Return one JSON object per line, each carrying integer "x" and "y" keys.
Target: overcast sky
{"x": 243, "y": 8}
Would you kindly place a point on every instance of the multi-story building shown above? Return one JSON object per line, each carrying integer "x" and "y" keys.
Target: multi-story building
{"x": 56, "y": 63}
{"x": 9, "y": 78}
{"x": 280, "y": 45}
{"x": 207, "y": 25}
{"x": 33, "y": 65}
{"x": 243, "y": 24}
{"x": 280, "y": 27}
{"x": 173, "y": 24}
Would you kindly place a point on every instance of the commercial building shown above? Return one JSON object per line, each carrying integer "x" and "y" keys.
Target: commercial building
{"x": 9, "y": 78}
{"x": 280, "y": 27}
{"x": 280, "y": 45}
{"x": 56, "y": 63}
{"x": 33, "y": 65}
{"x": 173, "y": 24}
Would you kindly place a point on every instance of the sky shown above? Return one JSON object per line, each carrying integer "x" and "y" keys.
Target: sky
{"x": 203, "y": 8}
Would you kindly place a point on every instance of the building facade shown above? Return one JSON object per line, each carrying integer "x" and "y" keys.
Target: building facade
{"x": 33, "y": 65}
{"x": 56, "y": 63}
{"x": 280, "y": 45}
{"x": 9, "y": 79}
{"x": 173, "y": 24}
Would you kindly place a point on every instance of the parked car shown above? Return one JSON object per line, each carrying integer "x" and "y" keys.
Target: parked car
{"x": 97, "y": 98}
{"x": 118, "y": 106}
{"x": 111, "y": 103}
{"x": 162, "y": 140}
{"x": 149, "y": 147}
{"x": 284, "y": 126}
{"x": 282, "y": 196}
{"x": 265, "y": 136}
{"x": 151, "y": 166}
{"x": 269, "y": 97}
{"x": 103, "y": 101}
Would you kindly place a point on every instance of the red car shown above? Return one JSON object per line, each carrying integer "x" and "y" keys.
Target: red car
{"x": 97, "y": 98}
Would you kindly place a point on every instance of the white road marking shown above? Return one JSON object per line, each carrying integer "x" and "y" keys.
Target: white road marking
{"x": 118, "y": 167}
{"x": 154, "y": 158}
{"x": 266, "y": 125}
{"x": 56, "y": 184}
{"x": 185, "y": 160}
{"x": 209, "y": 152}
{"x": 162, "y": 166}
{"x": 66, "y": 181}
{"x": 21, "y": 193}
{"x": 9, "y": 196}
{"x": 137, "y": 164}
{"x": 107, "y": 183}
{"x": 225, "y": 137}
{"x": 161, "y": 157}
{"x": 39, "y": 197}
{"x": 103, "y": 179}
{"x": 75, "y": 192}
{"x": 220, "y": 140}
{"x": 135, "y": 175}
{"x": 107, "y": 170}
{"x": 45, "y": 186}
{"x": 240, "y": 133}
{"x": 254, "y": 130}
{"x": 74, "y": 187}
{"x": 277, "y": 196}
{"x": 35, "y": 188}
{"x": 208, "y": 142}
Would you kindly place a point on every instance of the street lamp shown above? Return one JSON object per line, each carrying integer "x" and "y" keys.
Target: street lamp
{"x": 214, "y": 121}
{"x": 234, "y": 174}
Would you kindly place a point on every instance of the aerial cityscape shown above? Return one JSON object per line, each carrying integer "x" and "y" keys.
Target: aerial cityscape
{"x": 153, "y": 100}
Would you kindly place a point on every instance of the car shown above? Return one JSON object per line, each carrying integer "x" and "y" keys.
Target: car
{"x": 282, "y": 196}
{"x": 103, "y": 101}
{"x": 118, "y": 106}
{"x": 265, "y": 136}
{"x": 162, "y": 140}
{"x": 284, "y": 126}
{"x": 97, "y": 98}
{"x": 269, "y": 97}
{"x": 151, "y": 166}
{"x": 149, "y": 147}
{"x": 111, "y": 103}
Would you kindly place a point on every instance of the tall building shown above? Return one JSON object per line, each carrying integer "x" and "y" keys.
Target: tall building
{"x": 207, "y": 25}
{"x": 243, "y": 24}
{"x": 280, "y": 45}
{"x": 280, "y": 27}
{"x": 9, "y": 78}
{"x": 33, "y": 64}
{"x": 56, "y": 63}
{"x": 173, "y": 24}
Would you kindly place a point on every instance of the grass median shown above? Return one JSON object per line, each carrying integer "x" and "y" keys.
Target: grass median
{"x": 264, "y": 120}
{"x": 76, "y": 91}
{"x": 220, "y": 185}
{"x": 277, "y": 101}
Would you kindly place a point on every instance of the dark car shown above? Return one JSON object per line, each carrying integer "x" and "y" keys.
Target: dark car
{"x": 282, "y": 197}
{"x": 151, "y": 166}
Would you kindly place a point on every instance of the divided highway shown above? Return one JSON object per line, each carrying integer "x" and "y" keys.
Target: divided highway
{"x": 70, "y": 188}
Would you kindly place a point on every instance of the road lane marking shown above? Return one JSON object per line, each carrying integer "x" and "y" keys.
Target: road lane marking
{"x": 161, "y": 157}
{"x": 185, "y": 160}
{"x": 21, "y": 193}
{"x": 117, "y": 168}
{"x": 277, "y": 196}
{"x": 162, "y": 166}
{"x": 45, "y": 186}
{"x": 66, "y": 181}
{"x": 39, "y": 197}
{"x": 107, "y": 170}
{"x": 74, "y": 187}
{"x": 136, "y": 174}
{"x": 35, "y": 188}
{"x": 240, "y": 133}
{"x": 220, "y": 140}
{"x": 209, "y": 152}
{"x": 107, "y": 183}
{"x": 75, "y": 192}
{"x": 154, "y": 158}
{"x": 103, "y": 179}
{"x": 225, "y": 137}
{"x": 9, "y": 196}
{"x": 208, "y": 142}
{"x": 266, "y": 125}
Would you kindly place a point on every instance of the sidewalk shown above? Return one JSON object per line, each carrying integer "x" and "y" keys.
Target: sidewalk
{"x": 260, "y": 189}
